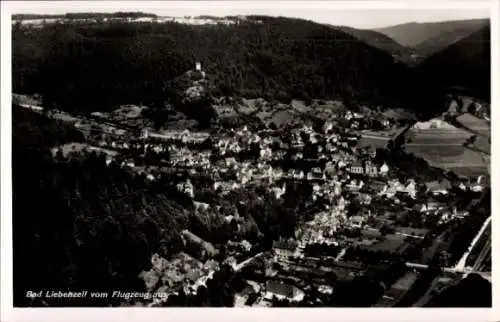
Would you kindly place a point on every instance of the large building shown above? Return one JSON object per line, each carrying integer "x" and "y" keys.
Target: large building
{"x": 283, "y": 291}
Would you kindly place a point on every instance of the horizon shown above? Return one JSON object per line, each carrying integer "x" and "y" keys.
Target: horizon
{"x": 381, "y": 16}
{"x": 224, "y": 16}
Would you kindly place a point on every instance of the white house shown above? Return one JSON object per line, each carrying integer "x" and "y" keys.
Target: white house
{"x": 384, "y": 169}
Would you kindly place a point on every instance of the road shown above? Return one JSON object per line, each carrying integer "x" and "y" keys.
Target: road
{"x": 239, "y": 266}
{"x": 398, "y": 233}
{"x": 482, "y": 255}
{"x": 461, "y": 263}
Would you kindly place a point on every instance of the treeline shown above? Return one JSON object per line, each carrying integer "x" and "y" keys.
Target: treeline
{"x": 84, "y": 15}
{"x": 473, "y": 291}
{"x": 97, "y": 66}
{"x": 39, "y": 132}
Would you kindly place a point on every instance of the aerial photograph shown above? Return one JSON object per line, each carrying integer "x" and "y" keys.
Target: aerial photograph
{"x": 208, "y": 158}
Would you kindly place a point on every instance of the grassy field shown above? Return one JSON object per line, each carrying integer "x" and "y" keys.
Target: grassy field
{"x": 476, "y": 124}
{"x": 450, "y": 157}
{"x": 434, "y": 152}
{"x": 391, "y": 242}
{"x": 469, "y": 171}
{"x": 409, "y": 231}
{"x": 373, "y": 142}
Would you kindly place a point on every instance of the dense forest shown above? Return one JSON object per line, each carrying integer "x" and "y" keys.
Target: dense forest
{"x": 381, "y": 41}
{"x": 98, "y": 66}
{"x": 473, "y": 291}
{"x": 464, "y": 66}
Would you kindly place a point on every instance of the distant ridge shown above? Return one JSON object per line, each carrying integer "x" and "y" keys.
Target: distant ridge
{"x": 465, "y": 65}
{"x": 414, "y": 33}
{"x": 380, "y": 41}
{"x": 83, "y": 15}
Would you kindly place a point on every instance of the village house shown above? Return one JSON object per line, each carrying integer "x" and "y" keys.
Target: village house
{"x": 282, "y": 291}
{"x": 370, "y": 169}
{"x": 284, "y": 249}
{"x": 355, "y": 185}
{"x": 384, "y": 169}
{"x": 356, "y": 167}
{"x": 438, "y": 187}
{"x": 187, "y": 188}
{"x": 279, "y": 191}
{"x": 356, "y": 221}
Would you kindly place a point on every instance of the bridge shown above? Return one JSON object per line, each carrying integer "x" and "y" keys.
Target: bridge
{"x": 465, "y": 271}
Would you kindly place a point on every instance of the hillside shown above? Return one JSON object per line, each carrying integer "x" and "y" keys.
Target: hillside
{"x": 463, "y": 66}
{"x": 413, "y": 34}
{"x": 444, "y": 39}
{"x": 98, "y": 66}
{"x": 381, "y": 41}
{"x": 473, "y": 291}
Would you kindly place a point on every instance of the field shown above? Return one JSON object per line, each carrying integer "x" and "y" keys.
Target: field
{"x": 476, "y": 124}
{"x": 412, "y": 231}
{"x": 392, "y": 242}
{"x": 372, "y": 142}
{"x": 469, "y": 171}
{"x": 444, "y": 148}
{"x": 435, "y": 153}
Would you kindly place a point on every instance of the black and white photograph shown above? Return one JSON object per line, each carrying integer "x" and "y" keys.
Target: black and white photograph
{"x": 247, "y": 155}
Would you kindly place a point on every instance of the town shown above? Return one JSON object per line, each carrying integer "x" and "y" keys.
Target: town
{"x": 368, "y": 206}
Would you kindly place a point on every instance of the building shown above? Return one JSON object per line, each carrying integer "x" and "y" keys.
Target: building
{"x": 356, "y": 221}
{"x": 438, "y": 187}
{"x": 453, "y": 108}
{"x": 283, "y": 291}
{"x": 186, "y": 188}
{"x": 384, "y": 169}
{"x": 370, "y": 169}
{"x": 284, "y": 249}
{"x": 356, "y": 167}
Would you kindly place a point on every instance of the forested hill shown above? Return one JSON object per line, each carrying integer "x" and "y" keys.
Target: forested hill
{"x": 465, "y": 65}
{"x": 412, "y": 34}
{"x": 381, "y": 41}
{"x": 448, "y": 37}
{"x": 100, "y": 65}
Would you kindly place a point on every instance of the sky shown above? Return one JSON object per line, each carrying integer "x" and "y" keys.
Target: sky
{"x": 341, "y": 13}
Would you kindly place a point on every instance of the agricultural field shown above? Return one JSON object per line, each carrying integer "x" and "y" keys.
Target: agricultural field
{"x": 436, "y": 154}
{"x": 482, "y": 144}
{"x": 476, "y": 124}
{"x": 444, "y": 148}
{"x": 469, "y": 171}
